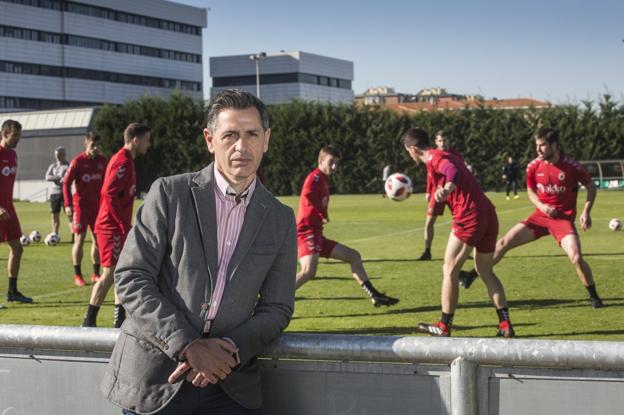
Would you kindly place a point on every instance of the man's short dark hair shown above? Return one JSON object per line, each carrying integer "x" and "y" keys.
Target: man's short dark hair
{"x": 548, "y": 134}
{"x": 238, "y": 100}
{"x": 415, "y": 137}
{"x": 329, "y": 150}
{"x": 91, "y": 136}
{"x": 10, "y": 126}
{"x": 441, "y": 133}
{"x": 135, "y": 129}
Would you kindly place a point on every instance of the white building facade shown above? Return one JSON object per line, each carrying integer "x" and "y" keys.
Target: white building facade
{"x": 285, "y": 76}
{"x": 60, "y": 53}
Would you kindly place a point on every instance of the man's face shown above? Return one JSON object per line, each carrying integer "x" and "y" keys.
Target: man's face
{"x": 328, "y": 164}
{"x": 92, "y": 148}
{"x": 12, "y": 137}
{"x": 61, "y": 156}
{"x": 142, "y": 143}
{"x": 238, "y": 143}
{"x": 442, "y": 142}
{"x": 510, "y": 160}
{"x": 414, "y": 152}
{"x": 544, "y": 149}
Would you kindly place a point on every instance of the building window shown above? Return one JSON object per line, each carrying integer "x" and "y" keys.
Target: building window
{"x": 109, "y": 14}
{"x": 281, "y": 78}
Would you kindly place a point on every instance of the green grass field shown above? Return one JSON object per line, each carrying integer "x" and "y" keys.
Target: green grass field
{"x": 545, "y": 296}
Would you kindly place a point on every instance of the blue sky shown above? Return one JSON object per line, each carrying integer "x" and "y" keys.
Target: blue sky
{"x": 561, "y": 51}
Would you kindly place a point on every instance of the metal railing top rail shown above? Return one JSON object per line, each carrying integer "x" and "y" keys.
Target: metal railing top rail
{"x": 497, "y": 352}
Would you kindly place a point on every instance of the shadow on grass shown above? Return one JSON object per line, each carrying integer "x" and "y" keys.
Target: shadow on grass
{"x": 402, "y": 330}
{"x": 600, "y": 332}
{"x": 371, "y": 260}
{"x": 58, "y": 304}
{"x": 591, "y": 254}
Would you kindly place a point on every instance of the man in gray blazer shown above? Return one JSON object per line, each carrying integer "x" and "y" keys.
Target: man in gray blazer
{"x": 207, "y": 276}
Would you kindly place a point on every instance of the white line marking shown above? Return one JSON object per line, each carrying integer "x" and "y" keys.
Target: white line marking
{"x": 54, "y": 294}
{"x": 421, "y": 228}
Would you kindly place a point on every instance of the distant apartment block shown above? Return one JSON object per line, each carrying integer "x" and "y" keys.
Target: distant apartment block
{"x": 284, "y": 76}
{"x": 60, "y": 53}
{"x": 435, "y": 99}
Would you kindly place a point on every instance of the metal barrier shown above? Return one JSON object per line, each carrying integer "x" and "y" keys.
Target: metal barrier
{"x": 58, "y": 369}
{"x": 606, "y": 174}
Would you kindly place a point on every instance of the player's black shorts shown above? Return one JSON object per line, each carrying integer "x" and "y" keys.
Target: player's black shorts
{"x": 56, "y": 203}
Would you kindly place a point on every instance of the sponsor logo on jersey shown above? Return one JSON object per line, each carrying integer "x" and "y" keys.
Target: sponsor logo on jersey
{"x": 91, "y": 177}
{"x": 7, "y": 171}
{"x": 540, "y": 174}
{"x": 121, "y": 172}
{"x": 551, "y": 189}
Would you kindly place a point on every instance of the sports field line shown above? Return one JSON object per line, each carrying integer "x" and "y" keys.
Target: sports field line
{"x": 54, "y": 294}
{"x": 447, "y": 222}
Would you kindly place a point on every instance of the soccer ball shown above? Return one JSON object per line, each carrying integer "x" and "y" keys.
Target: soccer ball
{"x": 615, "y": 224}
{"x": 398, "y": 187}
{"x": 24, "y": 240}
{"x": 35, "y": 236}
{"x": 52, "y": 239}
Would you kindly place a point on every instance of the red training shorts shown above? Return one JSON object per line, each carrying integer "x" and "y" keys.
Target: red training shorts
{"x": 10, "y": 229}
{"x": 436, "y": 209}
{"x": 542, "y": 224}
{"x": 311, "y": 241}
{"x": 84, "y": 217}
{"x": 110, "y": 245}
{"x": 479, "y": 230}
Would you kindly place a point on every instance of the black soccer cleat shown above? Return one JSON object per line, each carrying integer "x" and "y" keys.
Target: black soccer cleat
{"x": 86, "y": 323}
{"x": 466, "y": 278}
{"x": 382, "y": 299}
{"x": 426, "y": 256}
{"x": 596, "y": 302}
{"x": 437, "y": 329}
{"x": 19, "y": 297}
{"x": 505, "y": 329}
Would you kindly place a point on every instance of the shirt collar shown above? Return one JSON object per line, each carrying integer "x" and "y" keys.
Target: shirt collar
{"x": 225, "y": 189}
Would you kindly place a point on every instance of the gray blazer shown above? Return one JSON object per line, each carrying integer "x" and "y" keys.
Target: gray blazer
{"x": 165, "y": 277}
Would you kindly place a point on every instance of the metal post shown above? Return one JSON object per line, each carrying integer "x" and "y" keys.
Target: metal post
{"x": 258, "y": 78}
{"x": 464, "y": 398}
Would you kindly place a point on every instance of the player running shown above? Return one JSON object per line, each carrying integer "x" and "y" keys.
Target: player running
{"x": 552, "y": 185}
{"x": 475, "y": 225}
{"x": 115, "y": 217}
{"x": 10, "y": 230}
{"x": 435, "y": 209}
{"x": 311, "y": 243}
{"x": 86, "y": 172}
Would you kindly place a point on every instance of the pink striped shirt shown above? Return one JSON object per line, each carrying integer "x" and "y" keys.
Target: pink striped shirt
{"x": 230, "y": 217}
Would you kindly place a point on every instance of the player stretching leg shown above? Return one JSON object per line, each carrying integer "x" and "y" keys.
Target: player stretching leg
{"x": 552, "y": 186}
{"x": 311, "y": 243}
{"x": 475, "y": 225}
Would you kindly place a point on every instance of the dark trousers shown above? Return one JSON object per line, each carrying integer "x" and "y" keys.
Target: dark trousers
{"x": 211, "y": 400}
{"x": 512, "y": 184}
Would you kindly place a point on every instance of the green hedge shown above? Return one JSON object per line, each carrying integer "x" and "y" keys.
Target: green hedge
{"x": 368, "y": 139}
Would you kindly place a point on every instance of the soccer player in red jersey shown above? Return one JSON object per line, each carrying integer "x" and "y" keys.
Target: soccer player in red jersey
{"x": 312, "y": 216}
{"x": 86, "y": 173}
{"x": 475, "y": 225}
{"x": 10, "y": 230}
{"x": 115, "y": 216}
{"x": 552, "y": 185}
{"x": 435, "y": 209}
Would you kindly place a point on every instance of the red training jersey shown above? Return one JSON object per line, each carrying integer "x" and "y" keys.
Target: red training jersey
{"x": 314, "y": 200}
{"x": 88, "y": 176}
{"x": 556, "y": 184}
{"x": 115, "y": 213}
{"x": 467, "y": 199}
{"x": 430, "y": 188}
{"x": 8, "y": 171}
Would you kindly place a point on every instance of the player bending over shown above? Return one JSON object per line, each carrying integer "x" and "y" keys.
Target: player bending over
{"x": 475, "y": 225}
